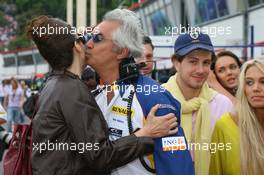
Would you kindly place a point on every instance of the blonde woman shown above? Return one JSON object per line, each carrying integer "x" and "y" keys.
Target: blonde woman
{"x": 245, "y": 133}
{"x": 13, "y": 103}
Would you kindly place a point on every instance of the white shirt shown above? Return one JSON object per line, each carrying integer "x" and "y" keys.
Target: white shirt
{"x": 116, "y": 118}
{"x": 2, "y": 94}
{"x": 2, "y": 113}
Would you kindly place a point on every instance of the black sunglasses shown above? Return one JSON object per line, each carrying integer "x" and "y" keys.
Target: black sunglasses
{"x": 96, "y": 38}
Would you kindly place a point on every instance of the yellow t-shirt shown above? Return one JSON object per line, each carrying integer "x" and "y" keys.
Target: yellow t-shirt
{"x": 225, "y": 161}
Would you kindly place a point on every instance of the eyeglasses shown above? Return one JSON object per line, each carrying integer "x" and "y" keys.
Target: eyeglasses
{"x": 96, "y": 38}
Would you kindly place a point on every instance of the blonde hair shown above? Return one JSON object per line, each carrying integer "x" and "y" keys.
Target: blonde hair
{"x": 251, "y": 131}
{"x": 14, "y": 83}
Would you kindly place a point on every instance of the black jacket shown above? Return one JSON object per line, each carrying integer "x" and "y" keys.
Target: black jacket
{"x": 68, "y": 117}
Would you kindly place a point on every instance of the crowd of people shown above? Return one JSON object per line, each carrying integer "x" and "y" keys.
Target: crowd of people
{"x": 207, "y": 119}
{"x": 12, "y": 97}
{"x": 13, "y": 94}
{"x": 8, "y": 32}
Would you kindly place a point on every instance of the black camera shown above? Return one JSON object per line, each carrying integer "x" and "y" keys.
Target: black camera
{"x": 129, "y": 70}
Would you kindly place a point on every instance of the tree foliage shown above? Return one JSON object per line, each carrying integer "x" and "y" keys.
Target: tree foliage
{"x": 25, "y": 10}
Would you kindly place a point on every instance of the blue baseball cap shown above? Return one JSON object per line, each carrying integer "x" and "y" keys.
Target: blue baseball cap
{"x": 188, "y": 42}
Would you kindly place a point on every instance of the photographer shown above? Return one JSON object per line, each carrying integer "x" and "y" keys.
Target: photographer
{"x": 111, "y": 52}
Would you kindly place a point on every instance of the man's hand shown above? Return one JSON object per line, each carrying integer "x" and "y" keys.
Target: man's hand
{"x": 156, "y": 127}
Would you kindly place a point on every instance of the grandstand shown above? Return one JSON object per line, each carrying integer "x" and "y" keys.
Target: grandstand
{"x": 233, "y": 25}
{"x": 22, "y": 63}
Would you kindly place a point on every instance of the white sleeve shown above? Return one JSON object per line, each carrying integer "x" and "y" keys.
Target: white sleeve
{"x": 2, "y": 113}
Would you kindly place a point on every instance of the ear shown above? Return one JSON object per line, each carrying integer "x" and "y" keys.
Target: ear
{"x": 122, "y": 53}
{"x": 78, "y": 47}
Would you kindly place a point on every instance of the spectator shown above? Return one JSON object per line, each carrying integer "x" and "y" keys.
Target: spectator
{"x": 5, "y": 137}
{"x": 147, "y": 57}
{"x": 244, "y": 132}
{"x": 226, "y": 68}
{"x": 7, "y": 86}
{"x": 13, "y": 103}
{"x": 2, "y": 94}
{"x": 2, "y": 115}
{"x": 201, "y": 105}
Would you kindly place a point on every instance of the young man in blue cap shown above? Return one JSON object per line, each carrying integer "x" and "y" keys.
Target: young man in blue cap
{"x": 201, "y": 105}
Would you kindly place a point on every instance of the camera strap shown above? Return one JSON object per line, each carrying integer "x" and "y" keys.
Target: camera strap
{"x": 130, "y": 128}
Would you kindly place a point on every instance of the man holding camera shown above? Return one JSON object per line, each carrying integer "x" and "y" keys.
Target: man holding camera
{"x": 110, "y": 52}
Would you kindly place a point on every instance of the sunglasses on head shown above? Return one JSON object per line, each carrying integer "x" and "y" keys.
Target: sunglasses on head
{"x": 96, "y": 38}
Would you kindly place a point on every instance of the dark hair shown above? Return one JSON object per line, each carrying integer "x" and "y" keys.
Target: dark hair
{"x": 55, "y": 47}
{"x": 147, "y": 40}
{"x": 180, "y": 57}
{"x": 226, "y": 53}
{"x": 177, "y": 57}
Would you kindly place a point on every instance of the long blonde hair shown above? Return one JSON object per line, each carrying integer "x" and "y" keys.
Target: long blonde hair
{"x": 251, "y": 131}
